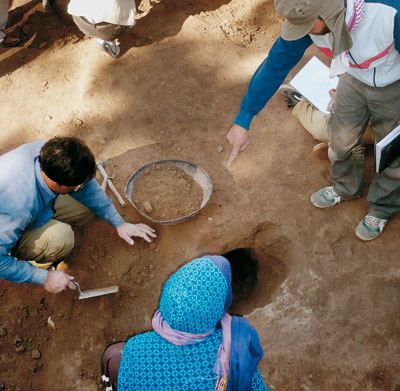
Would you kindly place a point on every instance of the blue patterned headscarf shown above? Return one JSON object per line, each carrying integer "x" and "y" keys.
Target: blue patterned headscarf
{"x": 192, "y": 309}
{"x": 195, "y": 298}
{"x": 193, "y": 301}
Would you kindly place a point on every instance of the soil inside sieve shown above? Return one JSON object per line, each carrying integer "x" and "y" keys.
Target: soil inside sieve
{"x": 167, "y": 193}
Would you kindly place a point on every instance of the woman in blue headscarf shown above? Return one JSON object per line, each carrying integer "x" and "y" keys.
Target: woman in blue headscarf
{"x": 196, "y": 345}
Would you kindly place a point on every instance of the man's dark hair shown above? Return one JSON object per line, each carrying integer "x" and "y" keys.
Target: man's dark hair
{"x": 67, "y": 161}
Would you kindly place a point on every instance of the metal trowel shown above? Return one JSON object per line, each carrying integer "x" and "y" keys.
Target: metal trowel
{"x": 95, "y": 292}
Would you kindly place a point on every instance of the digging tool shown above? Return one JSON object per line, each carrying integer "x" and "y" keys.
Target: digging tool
{"x": 108, "y": 179}
{"x": 95, "y": 292}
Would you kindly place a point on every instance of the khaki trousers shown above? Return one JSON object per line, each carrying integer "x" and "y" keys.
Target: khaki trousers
{"x": 316, "y": 122}
{"x": 103, "y": 30}
{"x": 55, "y": 239}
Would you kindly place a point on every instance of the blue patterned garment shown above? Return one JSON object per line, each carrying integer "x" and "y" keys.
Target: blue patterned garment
{"x": 193, "y": 298}
{"x": 192, "y": 301}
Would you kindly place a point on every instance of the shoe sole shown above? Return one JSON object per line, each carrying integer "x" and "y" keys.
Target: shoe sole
{"x": 322, "y": 207}
{"x": 366, "y": 239}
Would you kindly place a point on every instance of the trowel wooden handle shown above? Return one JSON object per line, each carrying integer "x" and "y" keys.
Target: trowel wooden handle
{"x": 102, "y": 170}
{"x": 116, "y": 193}
{"x": 109, "y": 183}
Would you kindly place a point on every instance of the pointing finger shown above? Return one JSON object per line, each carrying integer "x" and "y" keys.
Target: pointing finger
{"x": 233, "y": 156}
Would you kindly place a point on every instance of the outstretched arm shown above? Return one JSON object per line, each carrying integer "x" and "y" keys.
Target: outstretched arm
{"x": 283, "y": 56}
{"x": 94, "y": 197}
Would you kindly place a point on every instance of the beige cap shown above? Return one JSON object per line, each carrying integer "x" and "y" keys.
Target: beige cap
{"x": 301, "y": 16}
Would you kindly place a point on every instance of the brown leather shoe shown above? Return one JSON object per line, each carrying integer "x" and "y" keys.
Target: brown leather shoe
{"x": 321, "y": 151}
{"x": 62, "y": 266}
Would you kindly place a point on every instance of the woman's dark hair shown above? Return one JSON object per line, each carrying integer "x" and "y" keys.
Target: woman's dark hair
{"x": 67, "y": 161}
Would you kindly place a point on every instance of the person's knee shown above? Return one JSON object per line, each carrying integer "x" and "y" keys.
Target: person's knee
{"x": 60, "y": 241}
{"x": 337, "y": 152}
{"x": 48, "y": 243}
{"x": 342, "y": 152}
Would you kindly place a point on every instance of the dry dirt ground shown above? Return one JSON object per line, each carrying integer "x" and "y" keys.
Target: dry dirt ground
{"x": 326, "y": 305}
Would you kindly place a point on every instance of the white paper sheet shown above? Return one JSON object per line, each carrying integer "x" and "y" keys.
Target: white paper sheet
{"x": 313, "y": 83}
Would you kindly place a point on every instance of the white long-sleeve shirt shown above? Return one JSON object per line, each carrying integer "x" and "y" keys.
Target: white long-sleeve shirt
{"x": 121, "y": 12}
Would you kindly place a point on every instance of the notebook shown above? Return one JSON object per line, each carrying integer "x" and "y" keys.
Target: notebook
{"x": 387, "y": 150}
{"x": 314, "y": 83}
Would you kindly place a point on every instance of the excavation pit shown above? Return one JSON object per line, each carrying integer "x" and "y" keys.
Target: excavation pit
{"x": 255, "y": 277}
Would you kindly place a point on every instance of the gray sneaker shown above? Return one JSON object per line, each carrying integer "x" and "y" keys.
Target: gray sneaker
{"x": 325, "y": 198}
{"x": 370, "y": 227}
{"x": 110, "y": 47}
{"x": 291, "y": 94}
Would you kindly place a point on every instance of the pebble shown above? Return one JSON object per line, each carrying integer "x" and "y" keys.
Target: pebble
{"x": 17, "y": 340}
{"x": 20, "y": 349}
{"x": 147, "y": 207}
{"x": 47, "y": 118}
{"x": 50, "y": 323}
{"x": 93, "y": 256}
{"x": 3, "y": 332}
{"x": 42, "y": 45}
{"x": 19, "y": 321}
{"x": 220, "y": 148}
{"x": 44, "y": 84}
{"x": 36, "y": 354}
